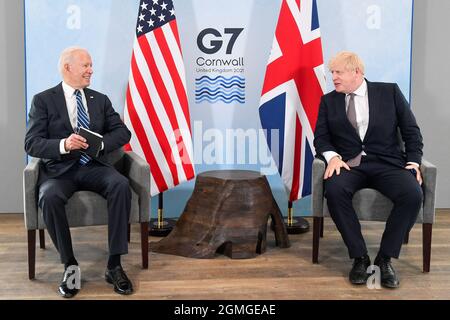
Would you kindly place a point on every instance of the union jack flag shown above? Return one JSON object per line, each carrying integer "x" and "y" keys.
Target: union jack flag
{"x": 293, "y": 86}
{"x": 156, "y": 109}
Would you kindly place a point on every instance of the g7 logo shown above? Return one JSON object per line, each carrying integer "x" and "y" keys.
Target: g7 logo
{"x": 216, "y": 45}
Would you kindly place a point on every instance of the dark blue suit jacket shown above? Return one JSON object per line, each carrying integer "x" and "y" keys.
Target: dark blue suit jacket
{"x": 48, "y": 123}
{"x": 388, "y": 112}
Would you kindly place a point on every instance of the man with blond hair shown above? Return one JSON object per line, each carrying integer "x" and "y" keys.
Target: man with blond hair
{"x": 55, "y": 117}
{"x": 357, "y": 134}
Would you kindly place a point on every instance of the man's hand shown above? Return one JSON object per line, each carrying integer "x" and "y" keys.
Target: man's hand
{"x": 335, "y": 164}
{"x": 75, "y": 142}
{"x": 412, "y": 167}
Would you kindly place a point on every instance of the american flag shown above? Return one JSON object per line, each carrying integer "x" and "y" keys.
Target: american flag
{"x": 293, "y": 86}
{"x": 156, "y": 109}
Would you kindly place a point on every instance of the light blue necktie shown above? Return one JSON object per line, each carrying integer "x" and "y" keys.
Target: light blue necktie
{"x": 82, "y": 121}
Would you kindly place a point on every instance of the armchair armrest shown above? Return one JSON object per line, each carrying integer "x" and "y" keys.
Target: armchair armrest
{"x": 318, "y": 170}
{"x": 30, "y": 178}
{"x": 429, "y": 173}
{"x": 138, "y": 173}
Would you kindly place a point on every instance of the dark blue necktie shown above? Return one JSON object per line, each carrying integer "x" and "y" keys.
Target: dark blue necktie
{"x": 82, "y": 121}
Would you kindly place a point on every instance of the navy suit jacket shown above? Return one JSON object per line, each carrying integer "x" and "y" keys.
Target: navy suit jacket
{"x": 48, "y": 123}
{"x": 388, "y": 112}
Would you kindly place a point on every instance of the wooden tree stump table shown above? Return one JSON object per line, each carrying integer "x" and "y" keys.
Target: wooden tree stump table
{"x": 227, "y": 213}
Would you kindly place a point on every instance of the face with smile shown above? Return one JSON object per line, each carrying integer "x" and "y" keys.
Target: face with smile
{"x": 78, "y": 70}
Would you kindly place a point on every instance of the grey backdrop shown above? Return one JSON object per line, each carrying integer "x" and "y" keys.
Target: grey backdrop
{"x": 430, "y": 80}
{"x": 12, "y": 108}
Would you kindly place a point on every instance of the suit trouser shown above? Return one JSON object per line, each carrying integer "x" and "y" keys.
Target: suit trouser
{"x": 106, "y": 181}
{"x": 397, "y": 184}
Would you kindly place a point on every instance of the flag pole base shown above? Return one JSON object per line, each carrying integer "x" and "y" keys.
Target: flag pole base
{"x": 298, "y": 225}
{"x": 162, "y": 229}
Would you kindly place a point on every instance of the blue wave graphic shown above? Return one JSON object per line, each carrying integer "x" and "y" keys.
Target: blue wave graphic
{"x": 220, "y": 88}
{"x": 210, "y": 84}
{"x": 227, "y": 101}
{"x": 220, "y": 77}
{"x": 212, "y": 91}
{"x": 228, "y": 86}
{"x": 220, "y": 94}
{"x": 221, "y": 80}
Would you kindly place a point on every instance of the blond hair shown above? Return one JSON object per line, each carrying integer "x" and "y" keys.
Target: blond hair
{"x": 349, "y": 60}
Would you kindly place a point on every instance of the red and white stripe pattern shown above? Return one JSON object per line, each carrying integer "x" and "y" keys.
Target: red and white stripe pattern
{"x": 156, "y": 109}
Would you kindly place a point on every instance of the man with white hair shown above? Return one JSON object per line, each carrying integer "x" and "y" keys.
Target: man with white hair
{"x": 357, "y": 134}
{"x": 55, "y": 117}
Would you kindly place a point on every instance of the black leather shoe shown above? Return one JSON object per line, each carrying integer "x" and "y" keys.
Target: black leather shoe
{"x": 358, "y": 274}
{"x": 119, "y": 279}
{"x": 389, "y": 277}
{"x": 68, "y": 290}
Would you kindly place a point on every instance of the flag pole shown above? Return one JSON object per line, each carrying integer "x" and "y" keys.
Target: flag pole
{"x": 161, "y": 227}
{"x": 295, "y": 225}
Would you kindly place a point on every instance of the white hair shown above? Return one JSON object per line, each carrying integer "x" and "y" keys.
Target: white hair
{"x": 66, "y": 57}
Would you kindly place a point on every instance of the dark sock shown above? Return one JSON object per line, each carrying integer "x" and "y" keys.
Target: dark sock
{"x": 113, "y": 261}
{"x": 363, "y": 257}
{"x": 382, "y": 256}
{"x": 72, "y": 262}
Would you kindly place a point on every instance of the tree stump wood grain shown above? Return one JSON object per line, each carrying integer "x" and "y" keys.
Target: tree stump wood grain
{"x": 227, "y": 213}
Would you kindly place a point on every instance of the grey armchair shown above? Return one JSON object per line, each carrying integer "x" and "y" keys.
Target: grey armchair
{"x": 370, "y": 205}
{"x": 87, "y": 208}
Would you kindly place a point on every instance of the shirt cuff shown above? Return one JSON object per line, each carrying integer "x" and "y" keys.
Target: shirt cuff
{"x": 414, "y": 163}
{"x": 62, "y": 150}
{"x": 103, "y": 146}
{"x": 328, "y": 155}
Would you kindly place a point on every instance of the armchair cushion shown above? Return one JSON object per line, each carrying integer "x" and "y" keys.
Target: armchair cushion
{"x": 87, "y": 208}
{"x": 30, "y": 178}
{"x": 370, "y": 204}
